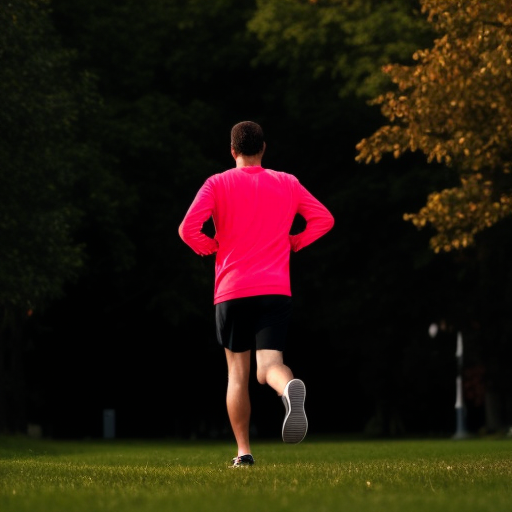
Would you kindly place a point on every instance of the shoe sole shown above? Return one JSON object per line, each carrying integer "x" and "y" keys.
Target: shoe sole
{"x": 295, "y": 423}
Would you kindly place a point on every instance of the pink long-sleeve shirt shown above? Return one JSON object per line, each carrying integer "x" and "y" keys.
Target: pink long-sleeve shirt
{"x": 253, "y": 210}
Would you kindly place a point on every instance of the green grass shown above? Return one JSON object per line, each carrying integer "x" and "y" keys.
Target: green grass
{"x": 317, "y": 475}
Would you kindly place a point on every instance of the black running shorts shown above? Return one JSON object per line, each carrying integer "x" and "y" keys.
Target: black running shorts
{"x": 259, "y": 322}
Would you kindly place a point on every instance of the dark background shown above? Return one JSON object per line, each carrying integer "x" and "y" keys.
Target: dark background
{"x": 135, "y": 331}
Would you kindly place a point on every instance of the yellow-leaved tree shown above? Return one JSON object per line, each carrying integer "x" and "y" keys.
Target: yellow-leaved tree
{"x": 455, "y": 105}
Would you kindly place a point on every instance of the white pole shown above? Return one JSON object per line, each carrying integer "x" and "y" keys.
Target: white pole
{"x": 460, "y": 410}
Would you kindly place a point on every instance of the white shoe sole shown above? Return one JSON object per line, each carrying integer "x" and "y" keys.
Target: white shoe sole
{"x": 295, "y": 425}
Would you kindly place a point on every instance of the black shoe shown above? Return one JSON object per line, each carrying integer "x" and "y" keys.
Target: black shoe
{"x": 242, "y": 460}
{"x": 295, "y": 423}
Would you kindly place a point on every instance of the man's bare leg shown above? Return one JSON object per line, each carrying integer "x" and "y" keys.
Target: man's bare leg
{"x": 272, "y": 371}
{"x": 237, "y": 398}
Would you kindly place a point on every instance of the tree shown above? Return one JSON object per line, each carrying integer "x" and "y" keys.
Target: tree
{"x": 455, "y": 106}
{"x": 40, "y": 106}
{"x": 43, "y": 104}
{"x": 343, "y": 41}
{"x": 379, "y": 285}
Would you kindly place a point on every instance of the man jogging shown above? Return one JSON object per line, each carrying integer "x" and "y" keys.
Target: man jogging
{"x": 253, "y": 209}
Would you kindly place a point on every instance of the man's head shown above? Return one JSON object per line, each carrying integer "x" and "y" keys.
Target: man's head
{"x": 247, "y": 138}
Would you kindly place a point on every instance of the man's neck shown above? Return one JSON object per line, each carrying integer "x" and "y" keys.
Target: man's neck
{"x": 248, "y": 161}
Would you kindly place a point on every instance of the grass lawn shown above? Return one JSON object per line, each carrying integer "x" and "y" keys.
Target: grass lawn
{"x": 318, "y": 475}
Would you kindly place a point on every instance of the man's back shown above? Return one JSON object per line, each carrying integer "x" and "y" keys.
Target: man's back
{"x": 253, "y": 210}
{"x": 253, "y": 214}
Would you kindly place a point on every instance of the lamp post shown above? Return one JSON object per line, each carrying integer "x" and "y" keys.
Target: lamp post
{"x": 460, "y": 409}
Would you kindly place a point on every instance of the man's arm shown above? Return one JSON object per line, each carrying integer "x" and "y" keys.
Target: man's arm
{"x": 190, "y": 230}
{"x": 319, "y": 220}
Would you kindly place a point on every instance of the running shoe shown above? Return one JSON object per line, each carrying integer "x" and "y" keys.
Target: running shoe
{"x": 242, "y": 460}
{"x": 295, "y": 423}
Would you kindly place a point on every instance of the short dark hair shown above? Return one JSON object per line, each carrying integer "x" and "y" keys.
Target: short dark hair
{"x": 247, "y": 138}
